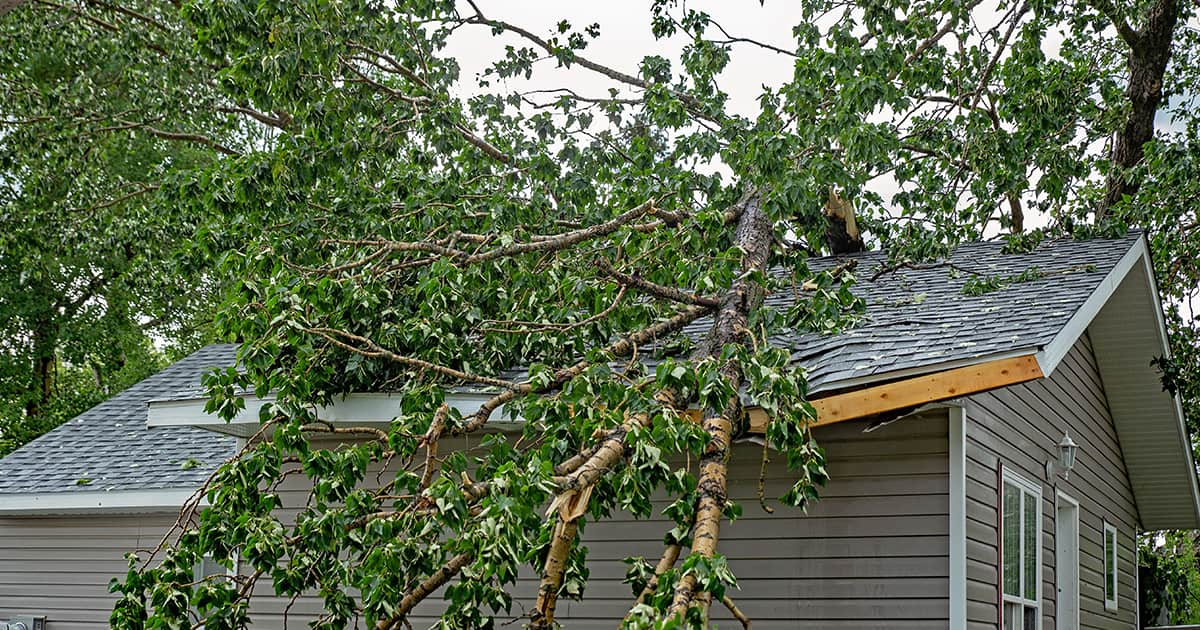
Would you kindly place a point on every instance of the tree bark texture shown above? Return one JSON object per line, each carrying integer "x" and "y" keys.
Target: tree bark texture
{"x": 561, "y": 542}
{"x": 753, "y": 237}
{"x": 45, "y": 336}
{"x": 1149, "y": 52}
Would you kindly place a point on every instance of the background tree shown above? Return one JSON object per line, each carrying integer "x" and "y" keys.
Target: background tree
{"x": 418, "y": 231}
{"x": 100, "y": 266}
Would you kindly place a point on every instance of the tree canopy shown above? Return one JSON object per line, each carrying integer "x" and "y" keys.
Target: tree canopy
{"x": 101, "y": 110}
{"x": 402, "y": 227}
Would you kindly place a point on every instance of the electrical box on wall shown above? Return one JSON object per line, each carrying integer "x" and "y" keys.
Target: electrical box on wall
{"x": 24, "y": 622}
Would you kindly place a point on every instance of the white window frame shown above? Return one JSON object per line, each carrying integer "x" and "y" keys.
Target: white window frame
{"x": 1110, "y": 580}
{"x": 1026, "y": 487}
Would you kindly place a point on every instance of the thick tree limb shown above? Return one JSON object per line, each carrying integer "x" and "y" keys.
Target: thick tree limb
{"x": 431, "y": 438}
{"x": 753, "y": 237}
{"x": 1117, "y": 18}
{"x": 736, "y": 612}
{"x": 425, "y": 589}
{"x": 669, "y": 557}
{"x": 553, "y": 570}
{"x": 1149, "y": 53}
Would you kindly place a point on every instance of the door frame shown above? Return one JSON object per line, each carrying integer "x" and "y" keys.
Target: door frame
{"x": 1065, "y": 503}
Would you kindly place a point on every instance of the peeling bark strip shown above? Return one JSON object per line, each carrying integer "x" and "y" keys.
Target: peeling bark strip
{"x": 561, "y": 541}
{"x": 1149, "y": 52}
{"x": 753, "y": 237}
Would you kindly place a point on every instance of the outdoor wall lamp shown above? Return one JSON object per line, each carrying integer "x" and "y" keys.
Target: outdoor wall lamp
{"x": 1067, "y": 448}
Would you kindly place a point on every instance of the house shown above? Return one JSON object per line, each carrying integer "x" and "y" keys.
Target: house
{"x": 942, "y": 413}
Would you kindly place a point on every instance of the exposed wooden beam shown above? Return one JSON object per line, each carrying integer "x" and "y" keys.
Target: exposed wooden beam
{"x": 916, "y": 391}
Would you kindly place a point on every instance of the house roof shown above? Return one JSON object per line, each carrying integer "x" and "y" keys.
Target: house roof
{"x": 109, "y": 450}
{"x": 920, "y": 319}
{"x": 977, "y": 306}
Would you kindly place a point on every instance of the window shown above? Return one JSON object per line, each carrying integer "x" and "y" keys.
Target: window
{"x": 1021, "y": 521}
{"x": 1110, "y": 566}
{"x": 209, "y": 568}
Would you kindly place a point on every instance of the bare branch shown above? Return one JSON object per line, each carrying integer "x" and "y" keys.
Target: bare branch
{"x": 667, "y": 293}
{"x": 369, "y": 348}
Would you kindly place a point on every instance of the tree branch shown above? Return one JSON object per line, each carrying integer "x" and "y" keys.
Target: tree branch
{"x": 690, "y": 102}
{"x": 124, "y": 125}
{"x": 667, "y": 293}
{"x": 1131, "y": 37}
{"x": 369, "y": 348}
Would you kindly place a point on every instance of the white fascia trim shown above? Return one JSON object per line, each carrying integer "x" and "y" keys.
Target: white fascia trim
{"x": 95, "y": 502}
{"x": 958, "y": 517}
{"x": 362, "y": 408}
{"x": 1053, "y": 353}
{"x": 931, "y": 368}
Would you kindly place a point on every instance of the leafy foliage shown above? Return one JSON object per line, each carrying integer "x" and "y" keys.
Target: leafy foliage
{"x": 95, "y": 256}
{"x": 593, "y": 264}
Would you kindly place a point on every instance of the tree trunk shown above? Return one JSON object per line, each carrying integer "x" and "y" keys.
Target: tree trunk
{"x": 1149, "y": 52}
{"x": 45, "y": 337}
{"x": 841, "y": 228}
{"x": 753, "y": 237}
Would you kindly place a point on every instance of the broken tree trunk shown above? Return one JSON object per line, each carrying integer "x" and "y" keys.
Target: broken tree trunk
{"x": 753, "y": 237}
{"x": 841, "y": 229}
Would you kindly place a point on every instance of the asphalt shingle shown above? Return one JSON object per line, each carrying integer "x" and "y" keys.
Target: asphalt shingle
{"x": 919, "y": 315}
{"x": 109, "y": 447}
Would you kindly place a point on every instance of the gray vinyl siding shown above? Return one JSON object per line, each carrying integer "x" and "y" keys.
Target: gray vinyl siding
{"x": 1019, "y": 426}
{"x": 60, "y": 567}
{"x": 873, "y": 552}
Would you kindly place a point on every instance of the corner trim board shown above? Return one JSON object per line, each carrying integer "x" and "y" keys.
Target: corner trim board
{"x": 958, "y": 517}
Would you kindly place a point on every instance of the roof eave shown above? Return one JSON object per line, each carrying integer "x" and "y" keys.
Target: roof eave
{"x": 1149, "y": 421}
{"x": 152, "y": 501}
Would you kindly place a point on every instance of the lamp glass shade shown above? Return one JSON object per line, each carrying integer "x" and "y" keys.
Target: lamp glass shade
{"x": 1066, "y": 452}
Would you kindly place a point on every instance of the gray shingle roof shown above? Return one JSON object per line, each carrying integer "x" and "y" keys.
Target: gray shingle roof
{"x": 917, "y": 317}
{"x": 111, "y": 445}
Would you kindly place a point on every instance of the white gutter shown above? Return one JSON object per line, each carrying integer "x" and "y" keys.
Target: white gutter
{"x": 164, "y": 500}
{"x": 366, "y": 409}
